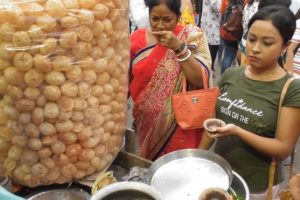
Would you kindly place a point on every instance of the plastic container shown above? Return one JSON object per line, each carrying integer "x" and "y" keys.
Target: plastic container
{"x": 63, "y": 77}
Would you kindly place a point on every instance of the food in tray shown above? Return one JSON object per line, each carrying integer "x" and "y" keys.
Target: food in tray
{"x": 215, "y": 194}
{"x": 103, "y": 180}
{"x": 234, "y": 195}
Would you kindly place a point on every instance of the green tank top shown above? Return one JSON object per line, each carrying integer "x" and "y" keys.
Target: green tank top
{"x": 253, "y": 106}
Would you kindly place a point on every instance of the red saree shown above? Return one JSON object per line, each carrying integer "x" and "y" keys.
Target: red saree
{"x": 156, "y": 76}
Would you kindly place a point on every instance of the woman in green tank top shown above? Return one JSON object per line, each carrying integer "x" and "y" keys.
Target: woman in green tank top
{"x": 249, "y": 101}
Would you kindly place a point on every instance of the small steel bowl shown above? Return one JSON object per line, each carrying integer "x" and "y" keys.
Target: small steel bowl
{"x": 211, "y": 124}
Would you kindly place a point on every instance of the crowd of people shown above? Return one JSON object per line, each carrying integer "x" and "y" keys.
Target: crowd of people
{"x": 167, "y": 48}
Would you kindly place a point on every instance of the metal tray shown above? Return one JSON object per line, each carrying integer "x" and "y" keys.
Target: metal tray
{"x": 184, "y": 174}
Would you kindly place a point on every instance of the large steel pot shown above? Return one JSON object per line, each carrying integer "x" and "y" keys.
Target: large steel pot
{"x": 185, "y": 174}
{"x": 239, "y": 186}
{"x": 127, "y": 191}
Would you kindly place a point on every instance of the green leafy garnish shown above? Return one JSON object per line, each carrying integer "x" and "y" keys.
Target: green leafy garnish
{"x": 234, "y": 195}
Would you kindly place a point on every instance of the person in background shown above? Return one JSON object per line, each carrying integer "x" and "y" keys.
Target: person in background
{"x": 210, "y": 23}
{"x": 249, "y": 104}
{"x": 229, "y": 47}
{"x": 139, "y": 13}
{"x": 249, "y": 10}
{"x": 187, "y": 13}
{"x": 224, "y": 5}
{"x": 293, "y": 51}
{"x": 265, "y": 3}
{"x": 160, "y": 56}
{"x": 198, "y": 11}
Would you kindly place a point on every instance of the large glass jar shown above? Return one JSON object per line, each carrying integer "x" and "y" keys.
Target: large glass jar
{"x": 63, "y": 78}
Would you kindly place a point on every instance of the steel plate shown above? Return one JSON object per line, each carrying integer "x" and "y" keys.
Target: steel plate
{"x": 186, "y": 173}
{"x": 127, "y": 191}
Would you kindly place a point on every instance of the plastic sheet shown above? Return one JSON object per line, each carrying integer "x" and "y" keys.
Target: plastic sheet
{"x": 63, "y": 78}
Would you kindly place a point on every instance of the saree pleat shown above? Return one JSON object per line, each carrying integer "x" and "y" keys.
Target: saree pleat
{"x": 152, "y": 110}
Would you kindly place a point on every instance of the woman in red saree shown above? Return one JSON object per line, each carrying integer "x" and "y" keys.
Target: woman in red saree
{"x": 160, "y": 56}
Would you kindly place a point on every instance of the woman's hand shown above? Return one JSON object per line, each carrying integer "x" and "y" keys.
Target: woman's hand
{"x": 167, "y": 39}
{"x": 228, "y": 129}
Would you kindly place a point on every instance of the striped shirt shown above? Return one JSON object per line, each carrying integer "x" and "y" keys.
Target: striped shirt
{"x": 296, "y": 63}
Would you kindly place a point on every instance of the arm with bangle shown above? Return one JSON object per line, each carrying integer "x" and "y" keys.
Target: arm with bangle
{"x": 183, "y": 53}
{"x": 187, "y": 61}
{"x": 189, "y": 65}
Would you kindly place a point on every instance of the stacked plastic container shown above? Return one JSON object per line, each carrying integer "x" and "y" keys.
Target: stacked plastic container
{"x": 63, "y": 78}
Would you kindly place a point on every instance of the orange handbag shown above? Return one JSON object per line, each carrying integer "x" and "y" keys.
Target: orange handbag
{"x": 193, "y": 107}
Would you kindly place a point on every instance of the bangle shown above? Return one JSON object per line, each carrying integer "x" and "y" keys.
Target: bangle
{"x": 180, "y": 49}
{"x": 183, "y": 52}
{"x": 187, "y": 56}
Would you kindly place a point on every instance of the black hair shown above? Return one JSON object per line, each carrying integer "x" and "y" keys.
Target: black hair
{"x": 173, "y": 5}
{"x": 265, "y": 3}
{"x": 281, "y": 17}
{"x": 234, "y": 2}
{"x": 250, "y": 2}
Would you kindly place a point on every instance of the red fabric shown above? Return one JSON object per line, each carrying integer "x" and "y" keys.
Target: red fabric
{"x": 142, "y": 72}
{"x": 224, "y": 5}
{"x": 137, "y": 41}
{"x": 184, "y": 139}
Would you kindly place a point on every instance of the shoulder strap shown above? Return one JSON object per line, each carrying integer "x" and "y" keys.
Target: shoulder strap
{"x": 205, "y": 80}
{"x": 273, "y": 163}
{"x": 282, "y": 95}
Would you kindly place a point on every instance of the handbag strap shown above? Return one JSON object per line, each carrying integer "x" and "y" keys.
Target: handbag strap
{"x": 273, "y": 162}
{"x": 204, "y": 78}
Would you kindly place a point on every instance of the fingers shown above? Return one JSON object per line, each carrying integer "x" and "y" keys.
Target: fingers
{"x": 163, "y": 34}
{"x": 217, "y": 135}
{"x": 159, "y": 33}
{"x": 214, "y": 135}
{"x": 210, "y": 134}
{"x": 226, "y": 130}
{"x": 167, "y": 39}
